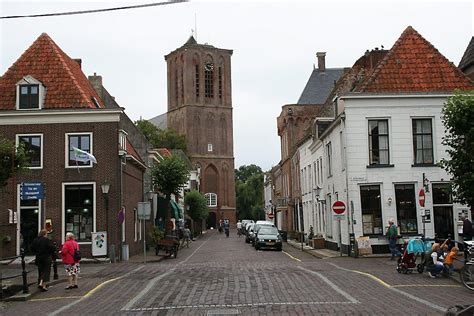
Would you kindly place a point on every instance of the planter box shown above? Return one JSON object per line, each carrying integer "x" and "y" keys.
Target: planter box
{"x": 318, "y": 243}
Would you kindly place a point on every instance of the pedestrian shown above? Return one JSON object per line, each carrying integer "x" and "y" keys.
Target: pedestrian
{"x": 71, "y": 263}
{"x": 449, "y": 260}
{"x": 44, "y": 250}
{"x": 221, "y": 225}
{"x": 392, "y": 235}
{"x": 434, "y": 265}
{"x": 226, "y": 227}
{"x": 466, "y": 228}
{"x": 239, "y": 228}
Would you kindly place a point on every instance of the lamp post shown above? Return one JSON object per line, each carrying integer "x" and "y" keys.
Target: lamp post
{"x": 105, "y": 192}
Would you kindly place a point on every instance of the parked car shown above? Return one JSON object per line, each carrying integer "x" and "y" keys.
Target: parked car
{"x": 257, "y": 226}
{"x": 268, "y": 237}
{"x": 245, "y": 222}
{"x": 249, "y": 232}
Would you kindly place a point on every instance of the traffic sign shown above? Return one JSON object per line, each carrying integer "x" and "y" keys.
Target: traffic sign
{"x": 421, "y": 197}
{"x": 270, "y": 215}
{"x": 339, "y": 208}
{"x": 31, "y": 191}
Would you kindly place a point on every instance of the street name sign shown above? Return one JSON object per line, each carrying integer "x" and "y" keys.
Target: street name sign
{"x": 31, "y": 191}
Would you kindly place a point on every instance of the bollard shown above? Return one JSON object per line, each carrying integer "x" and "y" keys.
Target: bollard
{"x": 23, "y": 273}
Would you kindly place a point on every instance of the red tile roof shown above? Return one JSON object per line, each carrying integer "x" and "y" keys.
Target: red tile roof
{"x": 164, "y": 152}
{"x": 132, "y": 151}
{"x": 66, "y": 85}
{"x": 414, "y": 65}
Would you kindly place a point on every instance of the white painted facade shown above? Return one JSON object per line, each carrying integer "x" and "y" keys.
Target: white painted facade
{"x": 344, "y": 151}
{"x": 267, "y": 197}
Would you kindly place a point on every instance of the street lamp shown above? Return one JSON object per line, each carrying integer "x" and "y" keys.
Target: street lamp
{"x": 105, "y": 192}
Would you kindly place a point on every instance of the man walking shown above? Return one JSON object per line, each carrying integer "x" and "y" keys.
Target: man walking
{"x": 466, "y": 228}
{"x": 392, "y": 235}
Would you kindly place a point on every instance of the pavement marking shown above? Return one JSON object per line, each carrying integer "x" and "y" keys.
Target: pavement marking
{"x": 208, "y": 306}
{"x": 331, "y": 284}
{"x": 53, "y": 298}
{"x": 155, "y": 280}
{"x": 393, "y": 288}
{"x": 93, "y": 290}
{"x": 294, "y": 258}
{"x": 426, "y": 285}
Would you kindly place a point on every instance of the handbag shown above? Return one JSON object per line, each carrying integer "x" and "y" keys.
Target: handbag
{"x": 77, "y": 255}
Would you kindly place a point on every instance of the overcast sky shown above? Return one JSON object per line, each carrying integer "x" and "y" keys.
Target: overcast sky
{"x": 274, "y": 43}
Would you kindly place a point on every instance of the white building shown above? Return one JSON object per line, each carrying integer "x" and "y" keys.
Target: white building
{"x": 383, "y": 148}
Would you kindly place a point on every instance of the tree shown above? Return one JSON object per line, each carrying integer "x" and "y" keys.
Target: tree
{"x": 166, "y": 138}
{"x": 245, "y": 172}
{"x": 12, "y": 160}
{"x": 249, "y": 192}
{"x": 458, "y": 118}
{"x": 197, "y": 205}
{"x": 169, "y": 176}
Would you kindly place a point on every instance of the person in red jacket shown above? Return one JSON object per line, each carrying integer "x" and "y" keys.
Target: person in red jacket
{"x": 71, "y": 266}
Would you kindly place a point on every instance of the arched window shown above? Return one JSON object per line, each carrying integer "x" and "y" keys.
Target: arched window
{"x": 211, "y": 199}
{"x": 209, "y": 79}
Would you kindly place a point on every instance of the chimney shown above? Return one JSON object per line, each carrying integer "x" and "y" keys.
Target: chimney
{"x": 96, "y": 82}
{"x": 321, "y": 61}
{"x": 78, "y": 61}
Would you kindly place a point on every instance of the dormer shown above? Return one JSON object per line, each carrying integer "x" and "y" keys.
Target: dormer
{"x": 30, "y": 94}
{"x": 320, "y": 125}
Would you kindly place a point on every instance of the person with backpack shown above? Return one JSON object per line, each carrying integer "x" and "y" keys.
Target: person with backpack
{"x": 392, "y": 235}
{"x": 71, "y": 257}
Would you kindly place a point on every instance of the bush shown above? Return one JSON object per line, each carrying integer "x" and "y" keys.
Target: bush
{"x": 156, "y": 234}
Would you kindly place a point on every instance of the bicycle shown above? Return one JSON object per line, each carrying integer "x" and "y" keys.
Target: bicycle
{"x": 467, "y": 271}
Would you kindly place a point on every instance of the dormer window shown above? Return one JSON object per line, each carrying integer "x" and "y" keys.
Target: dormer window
{"x": 30, "y": 94}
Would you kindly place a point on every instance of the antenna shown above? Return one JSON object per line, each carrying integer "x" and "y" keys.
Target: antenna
{"x": 195, "y": 26}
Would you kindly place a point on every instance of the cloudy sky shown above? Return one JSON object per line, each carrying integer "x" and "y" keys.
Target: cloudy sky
{"x": 274, "y": 43}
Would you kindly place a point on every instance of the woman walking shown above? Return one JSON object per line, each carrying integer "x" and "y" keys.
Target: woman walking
{"x": 71, "y": 265}
{"x": 44, "y": 250}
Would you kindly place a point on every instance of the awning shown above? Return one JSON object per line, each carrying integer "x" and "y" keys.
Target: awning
{"x": 176, "y": 210}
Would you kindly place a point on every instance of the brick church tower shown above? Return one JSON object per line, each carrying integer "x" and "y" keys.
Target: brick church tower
{"x": 200, "y": 107}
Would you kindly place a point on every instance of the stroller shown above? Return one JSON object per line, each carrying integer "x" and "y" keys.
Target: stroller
{"x": 414, "y": 249}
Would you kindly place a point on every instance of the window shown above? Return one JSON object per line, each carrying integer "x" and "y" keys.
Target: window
{"x": 329, "y": 155}
{"x": 209, "y": 147}
{"x": 196, "y": 79}
{"x": 79, "y": 211}
{"x": 34, "y": 148}
{"x": 80, "y": 141}
{"x": 343, "y": 150}
{"x": 422, "y": 141}
{"x": 211, "y": 199}
{"x": 378, "y": 142}
{"x": 209, "y": 80}
{"x": 406, "y": 208}
{"x": 442, "y": 193}
{"x": 220, "y": 82}
{"x": 29, "y": 96}
{"x": 371, "y": 210}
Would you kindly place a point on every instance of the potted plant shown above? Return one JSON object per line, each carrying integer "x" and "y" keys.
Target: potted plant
{"x": 318, "y": 241}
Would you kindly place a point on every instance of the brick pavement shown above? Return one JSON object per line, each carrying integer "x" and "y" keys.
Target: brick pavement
{"x": 218, "y": 275}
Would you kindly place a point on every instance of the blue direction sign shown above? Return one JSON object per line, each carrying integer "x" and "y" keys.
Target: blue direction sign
{"x": 31, "y": 191}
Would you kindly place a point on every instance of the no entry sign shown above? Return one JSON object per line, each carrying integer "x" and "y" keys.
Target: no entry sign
{"x": 421, "y": 198}
{"x": 339, "y": 208}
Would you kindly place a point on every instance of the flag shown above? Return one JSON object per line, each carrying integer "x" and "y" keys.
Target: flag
{"x": 83, "y": 156}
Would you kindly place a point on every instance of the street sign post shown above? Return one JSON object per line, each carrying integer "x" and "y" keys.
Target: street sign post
{"x": 144, "y": 213}
{"x": 421, "y": 197}
{"x": 339, "y": 209}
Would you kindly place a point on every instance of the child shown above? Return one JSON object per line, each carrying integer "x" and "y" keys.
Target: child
{"x": 434, "y": 265}
{"x": 448, "y": 261}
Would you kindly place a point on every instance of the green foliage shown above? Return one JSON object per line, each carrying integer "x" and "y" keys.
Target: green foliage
{"x": 12, "y": 160}
{"x": 245, "y": 172}
{"x": 197, "y": 205}
{"x": 166, "y": 138}
{"x": 249, "y": 192}
{"x": 169, "y": 175}
{"x": 458, "y": 120}
{"x": 156, "y": 234}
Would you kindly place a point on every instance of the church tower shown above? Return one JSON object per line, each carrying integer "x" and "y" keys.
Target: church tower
{"x": 200, "y": 107}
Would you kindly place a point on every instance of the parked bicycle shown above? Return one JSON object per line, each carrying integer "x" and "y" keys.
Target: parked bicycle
{"x": 467, "y": 272}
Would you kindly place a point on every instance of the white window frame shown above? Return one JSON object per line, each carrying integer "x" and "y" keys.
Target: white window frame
{"x": 66, "y": 154}
{"x": 94, "y": 203}
{"x": 209, "y": 148}
{"x": 17, "y": 142}
{"x": 18, "y": 217}
{"x": 210, "y": 198}
{"x": 29, "y": 80}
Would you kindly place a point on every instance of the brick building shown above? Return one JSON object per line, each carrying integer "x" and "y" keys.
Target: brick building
{"x": 200, "y": 107}
{"x": 48, "y": 104}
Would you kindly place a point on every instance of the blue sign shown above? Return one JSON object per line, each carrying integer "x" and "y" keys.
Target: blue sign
{"x": 31, "y": 191}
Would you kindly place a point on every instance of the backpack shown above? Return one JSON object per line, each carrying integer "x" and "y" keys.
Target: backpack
{"x": 77, "y": 255}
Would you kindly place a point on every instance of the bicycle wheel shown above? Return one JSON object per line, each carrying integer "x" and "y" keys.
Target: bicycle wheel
{"x": 467, "y": 276}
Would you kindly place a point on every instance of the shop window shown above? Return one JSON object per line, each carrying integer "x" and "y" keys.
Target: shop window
{"x": 79, "y": 211}
{"x": 406, "y": 208}
{"x": 371, "y": 210}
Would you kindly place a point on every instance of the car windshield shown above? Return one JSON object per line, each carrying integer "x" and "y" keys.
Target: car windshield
{"x": 268, "y": 231}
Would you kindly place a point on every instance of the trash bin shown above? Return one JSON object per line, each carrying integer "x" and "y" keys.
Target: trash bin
{"x": 125, "y": 252}
{"x": 284, "y": 235}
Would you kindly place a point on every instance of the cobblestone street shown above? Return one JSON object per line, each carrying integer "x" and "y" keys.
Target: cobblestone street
{"x": 222, "y": 276}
